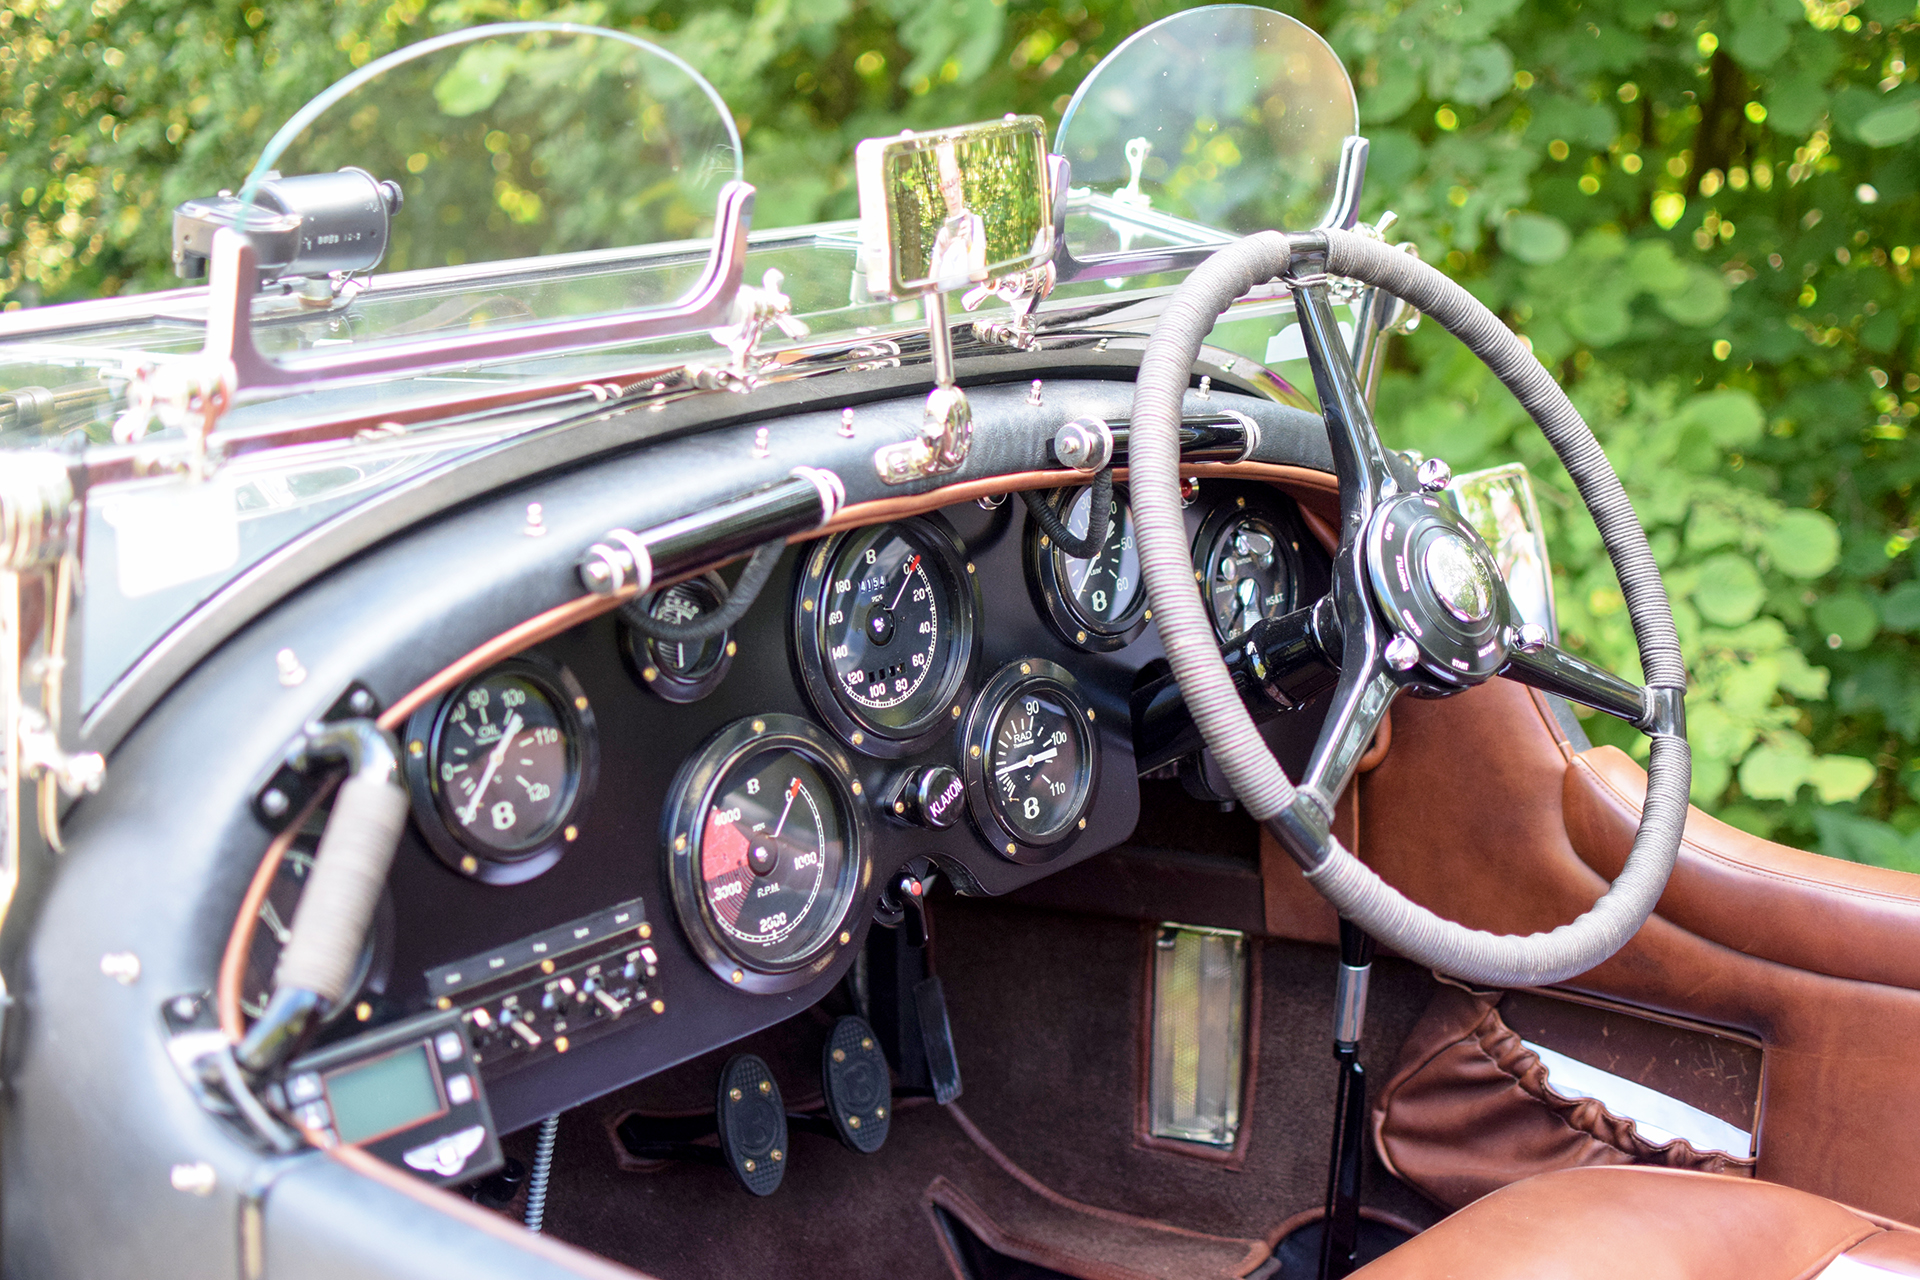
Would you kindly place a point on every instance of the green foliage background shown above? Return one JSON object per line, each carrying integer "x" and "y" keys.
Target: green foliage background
{"x": 1701, "y": 212}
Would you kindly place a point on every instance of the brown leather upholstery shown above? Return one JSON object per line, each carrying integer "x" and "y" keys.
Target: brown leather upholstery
{"x": 1647, "y": 1224}
{"x": 1820, "y": 914}
{"x": 1470, "y": 1108}
{"x": 1840, "y": 1114}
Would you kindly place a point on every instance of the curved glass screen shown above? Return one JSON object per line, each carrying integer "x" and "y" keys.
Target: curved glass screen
{"x": 1230, "y": 116}
{"x": 518, "y": 141}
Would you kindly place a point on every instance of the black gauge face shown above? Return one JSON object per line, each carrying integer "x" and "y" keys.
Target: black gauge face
{"x": 1106, "y": 589}
{"x": 886, "y": 633}
{"x": 272, "y": 930}
{"x": 773, "y": 848}
{"x": 1098, "y": 602}
{"x": 1038, "y": 762}
{"x": 764, "y": 834}
{"x": 684, "y": 659}
{"x": 1030, "y": 761}
{"x": 503, "y": 758}
{"x": 1248, "y": 574}
{"x": 680, "y": 670}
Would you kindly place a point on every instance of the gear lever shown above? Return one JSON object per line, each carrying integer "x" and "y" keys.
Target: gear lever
{"x": 1340, "y": 1232}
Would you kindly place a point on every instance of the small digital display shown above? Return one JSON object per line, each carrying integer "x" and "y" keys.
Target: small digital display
{"x": 391, "y": 1092}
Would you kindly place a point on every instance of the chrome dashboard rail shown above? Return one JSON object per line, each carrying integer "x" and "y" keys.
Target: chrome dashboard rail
{"x": 233, "y": 281}
{"x": 627, "y": 562}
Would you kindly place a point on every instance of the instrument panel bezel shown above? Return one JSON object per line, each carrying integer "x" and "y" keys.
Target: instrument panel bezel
{"x": 863, "y": 733}
{"x": 693, "y": 790}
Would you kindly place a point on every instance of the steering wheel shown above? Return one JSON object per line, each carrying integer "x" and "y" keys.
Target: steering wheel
{"x": 1418, "y": 603}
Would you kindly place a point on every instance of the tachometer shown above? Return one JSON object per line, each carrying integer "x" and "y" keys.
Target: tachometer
{"x": 763, "y": 839}
{"x": 500, "y": 769}
{"x": 884, "y": 628}
{"x": 1098, "y": 602}
{"x": 1031, "y": 760}
{"x": 1246, "y": 557}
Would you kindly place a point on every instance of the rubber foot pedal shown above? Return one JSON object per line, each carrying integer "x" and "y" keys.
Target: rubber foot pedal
{"x": 936, "y": 1038}
{"x": 858, "y": 1085}
{"x": 753, "y": 1124}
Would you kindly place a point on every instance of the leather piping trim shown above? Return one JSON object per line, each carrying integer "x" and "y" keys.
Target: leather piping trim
{"x": 1255, "y": 1255}
{"x": 1143, "y": 1137}
{"x": 1302, "y": 484}
{"x": 560, "y": 1254}
{"x": 944, "y": 1195}
{"x": 1797, "y": 882}
{"x": 233, "y": 961}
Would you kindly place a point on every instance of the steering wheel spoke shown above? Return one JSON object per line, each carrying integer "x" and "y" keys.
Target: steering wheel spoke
{"x": 1369, "y": 471}
{"x": 1359, "y": 704}
{"x": 1551, "y": 669}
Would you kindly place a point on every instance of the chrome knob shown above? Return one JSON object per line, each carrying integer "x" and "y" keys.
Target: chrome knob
{"x": 1528, "y": 637}
{"x": 1434, "y": 474}
{"x": 1402, "y": 653}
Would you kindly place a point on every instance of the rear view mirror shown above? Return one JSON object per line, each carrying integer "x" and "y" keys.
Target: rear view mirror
{"x": 955, "y": 207}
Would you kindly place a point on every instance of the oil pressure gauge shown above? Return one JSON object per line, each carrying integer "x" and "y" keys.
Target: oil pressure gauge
{"x": 1032, "y": 760}
{"x": 500, "y": 770}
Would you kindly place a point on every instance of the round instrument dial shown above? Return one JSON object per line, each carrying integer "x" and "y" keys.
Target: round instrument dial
{"x": 1096, "y": 602}
{"x": 765, "y": 848}
{"x": 1248, "y": 573}
{"x": 680, "y": 670}
{"x": 504, "y": 762}
{"x": 886, "y": 627}
{"x": 1031, "y": 760}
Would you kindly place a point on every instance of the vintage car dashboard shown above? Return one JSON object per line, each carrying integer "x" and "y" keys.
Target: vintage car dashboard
{"x": 675, "y": 845}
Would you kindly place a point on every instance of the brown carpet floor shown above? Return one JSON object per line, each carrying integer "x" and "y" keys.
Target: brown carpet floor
{"x": 1040, "y": 1160}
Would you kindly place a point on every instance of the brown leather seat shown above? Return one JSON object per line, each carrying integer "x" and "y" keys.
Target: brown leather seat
{"x": 1653, "y": 1224}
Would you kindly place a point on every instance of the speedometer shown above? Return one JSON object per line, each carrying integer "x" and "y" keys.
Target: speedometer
{"x": 765, "y": 854}
{"x": 884, "y": 628}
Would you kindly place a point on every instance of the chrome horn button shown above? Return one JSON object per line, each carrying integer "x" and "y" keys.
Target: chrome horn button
{"x": 1439, "y": 590}
{"x": 1459, "y": 577}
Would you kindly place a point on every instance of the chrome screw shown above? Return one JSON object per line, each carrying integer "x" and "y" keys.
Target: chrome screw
{"x": 1402, "y": 653}
{"x": 1435, "y": 474}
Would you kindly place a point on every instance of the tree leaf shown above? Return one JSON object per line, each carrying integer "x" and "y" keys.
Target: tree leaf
{"x": 1729, "y": 592}
{"x": 1758, "y": 44}
{"x": 1900, "y": 607}
{"x": 1889, "y": 126}
{"x": 1486, "y": 72}
{"x": 1732, "y": 418}
{"x": 1849, "y": 618}
{"x": 1803, "y": 544}
{"x": 1704, "y": 299}
{"x": 1839, "y": 778}
{"x": 1774, "y": 771}
{"x": 1535, "y": 238}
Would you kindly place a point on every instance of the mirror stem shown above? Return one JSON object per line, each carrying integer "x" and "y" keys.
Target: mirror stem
{"x": 939, "y": 337}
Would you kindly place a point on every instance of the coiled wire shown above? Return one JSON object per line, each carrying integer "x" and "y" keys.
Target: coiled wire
{"x": 542, "y": 1171}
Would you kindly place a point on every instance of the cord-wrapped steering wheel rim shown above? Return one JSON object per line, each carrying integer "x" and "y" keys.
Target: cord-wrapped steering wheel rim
{"x": 1298, "y": 818}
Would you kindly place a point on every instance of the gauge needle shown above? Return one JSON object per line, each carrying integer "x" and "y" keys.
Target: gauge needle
{"x": 1035, "y": 758}
{"x": 494, "y": 758}
{"x": 906, "y": 576}
{"x": 792, "y": 790}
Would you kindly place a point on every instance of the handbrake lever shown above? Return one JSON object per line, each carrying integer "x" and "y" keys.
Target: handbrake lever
{"x": 1278, "y": 665}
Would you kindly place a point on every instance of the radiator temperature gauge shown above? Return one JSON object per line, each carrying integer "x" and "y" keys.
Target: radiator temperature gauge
{"x": 1031, "y": 760}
